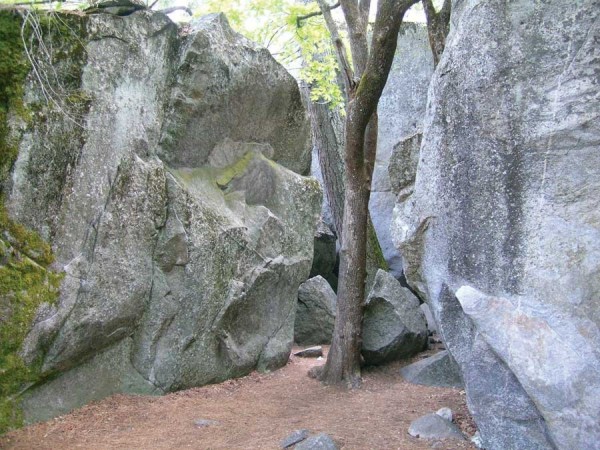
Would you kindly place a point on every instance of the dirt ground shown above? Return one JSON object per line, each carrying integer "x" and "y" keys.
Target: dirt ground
{"x": 255, "y": 412}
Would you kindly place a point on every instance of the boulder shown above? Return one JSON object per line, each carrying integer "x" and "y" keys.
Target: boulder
{"x": 502, "y": 234}
{"x": 318, "y": 442}
{"x": 172, "y": 206}
{"x": 310, "y": 352}
{"x": 225, "y": 85}
{"x": 438, "y": 370}
{"x": 434, "y": 426}
{"x": 294, "y": 438}
{"x": 394, "y": 326}
{"x": 315, "y": 312}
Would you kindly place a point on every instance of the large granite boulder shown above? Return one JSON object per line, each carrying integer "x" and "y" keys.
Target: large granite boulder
{"x": 394, "y": 326}
{"x": 315, "y": 313}
{"x": 502, "y": 234}
{"x": 401, "y": 112}
{"x": 172, "y": 206}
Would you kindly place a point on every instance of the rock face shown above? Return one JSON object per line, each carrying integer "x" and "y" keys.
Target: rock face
{"x": 394, "y": 326}
{"x": 401, "y": 111}
{"x": 315, "y": 313}
{"x": 502, "y": 235}
{"x": 437, "y": 370}
{"x": 434, "y": 426}
{"x": 325, "y": 255}
{"x": 175, "y": 207}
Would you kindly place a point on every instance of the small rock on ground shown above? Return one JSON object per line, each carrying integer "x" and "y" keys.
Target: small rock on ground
{"x": 310, "y": 352}
{"x": 432, "y": 426}
{"x": 319, "y": 442}
{"x": 445, "y": 413}
{"x": 294, "y": 438}
{"x": 205, "y": 422}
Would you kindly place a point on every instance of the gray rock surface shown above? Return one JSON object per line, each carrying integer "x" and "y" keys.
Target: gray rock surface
{"x": 394, "y": 326}
{"x": 437, "y": 370}
{"x": 310, "y": 352}
{"x": 183, "y": 242}
{"x": 434, "y": 426}
{"x": 502, "y": 234}
{"x": 224, "y": 82}
{"x": 401, "y": 111}
{"x": 315, "y": 313}
{"x": 294, "y": 438}
{"x": 445, "y": 413}
{"x": 431, "y": 325}
{"x": 319, "y": 442}
{"x": 325, "y": 254}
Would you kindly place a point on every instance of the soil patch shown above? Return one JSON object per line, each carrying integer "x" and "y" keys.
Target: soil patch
{"x": 255, "y": 412}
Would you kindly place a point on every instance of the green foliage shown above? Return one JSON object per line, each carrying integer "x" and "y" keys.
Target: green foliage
{"x": 25, "y": 283}
{"x": 305, "y": 49}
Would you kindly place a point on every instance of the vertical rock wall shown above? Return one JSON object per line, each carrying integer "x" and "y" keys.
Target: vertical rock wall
{"x": 401, "y": 111}
{"x": 502, "y": 235}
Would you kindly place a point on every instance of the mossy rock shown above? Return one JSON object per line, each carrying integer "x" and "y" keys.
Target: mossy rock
{"x": 25, "y": 284}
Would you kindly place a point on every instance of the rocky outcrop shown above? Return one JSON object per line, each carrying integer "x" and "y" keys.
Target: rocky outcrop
{"x": 401, "y": 111}
{"x": 174, "y": 203}
{"x": 315, "y": 313}
{"x": 394, "y": 326}
{"x": 502, "y": 235}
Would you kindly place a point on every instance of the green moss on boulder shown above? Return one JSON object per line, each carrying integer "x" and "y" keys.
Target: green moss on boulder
{"x": 25, "y": 284}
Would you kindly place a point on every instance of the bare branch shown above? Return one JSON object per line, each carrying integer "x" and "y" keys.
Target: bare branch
{"x": 438, "y": 26}
{"x": 357, "y": 31}
{"x": 385, "y": 37}
{"x": 300, "y": 19}
{"x": 275, "y": 33}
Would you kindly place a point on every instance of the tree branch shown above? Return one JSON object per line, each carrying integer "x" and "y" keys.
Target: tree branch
{"x": 299, "y": 19}
{"x": 357, "y": 31}
{"x": 385, "y": 37}
{"x": 340, "y": 48}
{"x": 438, "y": 26}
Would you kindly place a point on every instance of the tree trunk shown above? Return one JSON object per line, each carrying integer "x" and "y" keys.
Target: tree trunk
{"x": 438, "y": 26}
{"x": 343, "y": 361}
{"x": 327, "y": 133}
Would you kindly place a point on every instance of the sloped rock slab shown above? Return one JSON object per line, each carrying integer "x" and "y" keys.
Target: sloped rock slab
{"x": 433, "y": 426}
{"x": 438, "y": 370}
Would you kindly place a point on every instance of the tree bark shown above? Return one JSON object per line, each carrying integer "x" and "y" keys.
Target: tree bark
{"x": 328, "y": 137}
{"x": 343, "y": 362}
{"x": 438, "y": 26}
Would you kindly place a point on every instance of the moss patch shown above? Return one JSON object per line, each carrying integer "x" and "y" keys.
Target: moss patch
{"x": 25, "y": 283}
{"x": 13, "y": 70}
{"x": 374, "y": 252}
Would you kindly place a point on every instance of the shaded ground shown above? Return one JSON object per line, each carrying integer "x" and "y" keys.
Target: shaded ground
{"x": 254, "y": 412}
